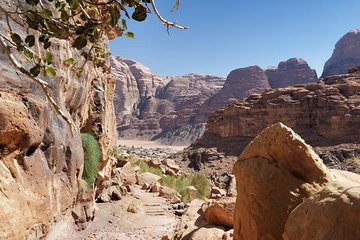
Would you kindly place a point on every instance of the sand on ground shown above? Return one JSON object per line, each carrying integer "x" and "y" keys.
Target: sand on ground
{"x": 148, "y": 144}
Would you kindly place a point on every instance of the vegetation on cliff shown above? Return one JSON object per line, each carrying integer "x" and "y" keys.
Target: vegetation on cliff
{"x": 92, "y": 154}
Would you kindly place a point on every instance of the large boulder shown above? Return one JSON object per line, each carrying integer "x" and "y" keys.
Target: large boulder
{"x": 346, "y": 55}
{"x": 274, "y": 174}
{"x": 220, "y": 212}
{"x": 330, "y": 214}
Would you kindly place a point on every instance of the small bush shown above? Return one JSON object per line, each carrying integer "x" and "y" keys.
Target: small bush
{"x": 180, "y": 184}
{"x": 119, "y": 157}
{"x": 92, "y": 155}
{"x": 144, "y": 167}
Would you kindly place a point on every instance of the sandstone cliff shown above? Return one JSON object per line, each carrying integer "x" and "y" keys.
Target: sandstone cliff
{"x": 240, "y": 83}
{"x": 291, "y": 72}
{"x": 325, "y": 114}
{"x": 41, "y": 160}
{"x": 149, "y": 107}
{"x": 346, "y": 55}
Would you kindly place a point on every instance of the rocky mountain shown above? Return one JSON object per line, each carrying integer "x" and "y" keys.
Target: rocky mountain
{"x": 174, "y": 110}
{"x": 240, "y": 83}
{"x": 325, "y": 114}
{"x": 149, "y": 107}
{"x": 346, "y": 55}
{"x": 42, "y": 157}
{"x": 291, "y": 72}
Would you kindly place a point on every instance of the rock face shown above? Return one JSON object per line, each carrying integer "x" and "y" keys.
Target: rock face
{"x": 325, "y": 114}
{"x": 174, "y": 110}
{"x": 290, "y": 171}
{"x": 291, "y": 72}
{"x": 346, "y": 55}
{"x": 286, "y": 192}
{"x": 150, "y": 107}
{"x": 41, "y": 160}
{"x": 240, "y": 83}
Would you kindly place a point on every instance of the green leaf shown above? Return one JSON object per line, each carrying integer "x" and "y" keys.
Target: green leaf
{"x": 32, "y": 2}
{"x": 123, "y": 23}
{"x": 50, "y": 71}
{"x": 115, "y": 16}
{"x": 72, "y": 3}
{"x": 70, "y": 61}
{"x": 28, "y": 54}
{"x": 80, "y": 42}
{"x": 139, "y": 14}
{"x": 37, "y": 59}
{"x": 35, "y": 70}
{"x": 16, "y": 38}
{"x": 130, "y": 35}
{"x": 43, "y": 38}
{"x": 30, "y": 40}
{"x": 48, "y": 58}
{"x": 46, "y": 13}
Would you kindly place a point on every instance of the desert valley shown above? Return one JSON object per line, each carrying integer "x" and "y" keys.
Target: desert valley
{"x": 115, "y": 151}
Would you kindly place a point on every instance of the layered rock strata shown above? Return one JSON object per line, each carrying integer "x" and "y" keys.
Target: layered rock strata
{"x": 325, "y": 114}
{"x": 149, "y": 107}
{"x": 240, "y": 83}
{"x": 41, "y": 159}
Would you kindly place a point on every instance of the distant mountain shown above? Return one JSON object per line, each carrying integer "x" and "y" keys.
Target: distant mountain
{"x": 346, "y": 55}
{"x": 174, "y": 110}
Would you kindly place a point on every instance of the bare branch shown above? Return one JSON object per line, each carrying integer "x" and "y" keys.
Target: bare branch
{"x": 42, "y": 83}
{"x": 176, "y": 5}
{"x": 164, "y": 21}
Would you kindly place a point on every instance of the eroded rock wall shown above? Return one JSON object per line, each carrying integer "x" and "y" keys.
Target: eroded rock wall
{"x": 41, "y": 161}
{"x": 325, "y": 114}
{"x": 150, "y": 107}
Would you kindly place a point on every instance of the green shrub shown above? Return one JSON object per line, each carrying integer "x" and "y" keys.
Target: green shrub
{"x": 144, "y": 167}
{"x": 180, "y": 184}
{"x": 92, "y": 155}
{"x": 119, "y": 157}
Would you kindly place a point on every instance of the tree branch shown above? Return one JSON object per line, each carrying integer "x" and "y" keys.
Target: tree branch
{"x": 44, "y": 85}
{"x": 164, "y": 21}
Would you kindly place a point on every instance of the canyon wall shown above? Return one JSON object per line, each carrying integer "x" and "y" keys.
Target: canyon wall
{"x": 174, "y": 110}
{"x": 325, "y": 114}
{"x": 150, "y": 107}
{"x": 41, "y": 160}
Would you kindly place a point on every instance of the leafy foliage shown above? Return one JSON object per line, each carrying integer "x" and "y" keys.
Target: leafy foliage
{"x": 82, "y": 22}
{"x": 92, "y": 155}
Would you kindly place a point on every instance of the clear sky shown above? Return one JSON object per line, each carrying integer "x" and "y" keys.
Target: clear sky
{"x": 229, "y": 34}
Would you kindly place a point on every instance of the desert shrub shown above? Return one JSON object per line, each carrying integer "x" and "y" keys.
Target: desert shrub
{"x": 180, "y": 184}
{"x": 92, "y": 155}
{"x": 144, "y": 167}
{"x": 119, "y": 157}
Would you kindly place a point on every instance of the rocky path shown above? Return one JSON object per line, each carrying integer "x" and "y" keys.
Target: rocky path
{"x": 139, "y": 216}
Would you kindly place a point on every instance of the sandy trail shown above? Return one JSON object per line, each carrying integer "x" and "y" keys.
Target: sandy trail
{"x": 113, "y": 222}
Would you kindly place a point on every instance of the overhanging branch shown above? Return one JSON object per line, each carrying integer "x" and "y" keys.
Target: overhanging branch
{"x": 164, "y": 21}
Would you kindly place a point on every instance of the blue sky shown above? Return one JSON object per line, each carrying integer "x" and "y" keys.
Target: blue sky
{"x": 229, "y": 34}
